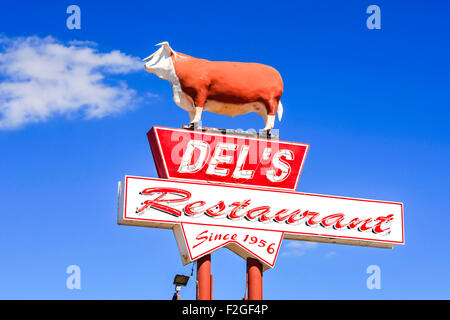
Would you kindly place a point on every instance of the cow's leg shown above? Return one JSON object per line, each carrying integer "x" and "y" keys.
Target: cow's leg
{"x": 197, "y": 115}
{"x": 185, "y": 102}
{"x": 199, "y": 102}
{"x": 270, "y": 119}
{"x": 270, "y": 122}
{"x": 191, "y": 115}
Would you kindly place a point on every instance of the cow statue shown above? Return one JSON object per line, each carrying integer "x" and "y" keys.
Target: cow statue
{"x": 229, "y": 88}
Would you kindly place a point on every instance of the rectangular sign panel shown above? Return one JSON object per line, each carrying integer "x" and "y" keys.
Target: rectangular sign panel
{"x": 167, "y": 204}
{"x": 202, "y": 156}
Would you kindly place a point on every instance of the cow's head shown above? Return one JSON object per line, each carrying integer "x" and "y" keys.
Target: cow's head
{"x": 160, "y": 62}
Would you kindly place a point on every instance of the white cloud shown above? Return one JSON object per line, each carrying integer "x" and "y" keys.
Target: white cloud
{"x": 41, "y": 78}
{"x": 298, "y": 248}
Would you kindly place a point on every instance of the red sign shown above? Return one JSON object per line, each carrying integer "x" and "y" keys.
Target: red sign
{"x": 195, "y": 155}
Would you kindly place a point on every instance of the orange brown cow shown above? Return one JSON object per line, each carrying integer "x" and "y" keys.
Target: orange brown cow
{"x": 222, "y": 87}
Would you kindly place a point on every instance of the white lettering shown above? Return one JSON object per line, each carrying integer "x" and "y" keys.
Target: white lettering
{"x": 238, "y": 172}
{"x": 279, "y": 164}
{"x": 218, "y": 157}
{"x": 186, "y": 166}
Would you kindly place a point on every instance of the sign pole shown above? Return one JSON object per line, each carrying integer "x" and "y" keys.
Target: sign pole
{"x": 204, "y": 278}
{"x": 255, "y": 279}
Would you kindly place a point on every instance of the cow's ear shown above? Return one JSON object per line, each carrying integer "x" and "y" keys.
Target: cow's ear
{"x": 166, "y": 45}
{"x": 170, "y": 49}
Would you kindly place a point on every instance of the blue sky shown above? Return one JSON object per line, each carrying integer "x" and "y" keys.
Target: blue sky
{"x": 372, "y": 104}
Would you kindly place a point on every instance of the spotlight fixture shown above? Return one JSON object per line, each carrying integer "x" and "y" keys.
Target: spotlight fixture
{"x": 179, "y": 281}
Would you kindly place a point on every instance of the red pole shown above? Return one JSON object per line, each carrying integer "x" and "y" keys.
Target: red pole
{"x": 255, "y": 279}
{"x": 211, "y": 288}
{"x": 204, "y": 278}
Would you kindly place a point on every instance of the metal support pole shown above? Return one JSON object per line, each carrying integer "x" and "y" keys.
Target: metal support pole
{"x": 204, "y": 278}
{"x": 211, "y": 288}
{"x": 255, "y": 279}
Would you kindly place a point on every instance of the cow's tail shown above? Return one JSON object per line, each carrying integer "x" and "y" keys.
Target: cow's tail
{"x": 280, "y": 110}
